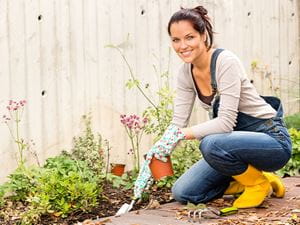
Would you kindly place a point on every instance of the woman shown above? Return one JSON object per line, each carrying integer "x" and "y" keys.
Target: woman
{"x": 246, "y": 136}
{"x": 231, "y": 147}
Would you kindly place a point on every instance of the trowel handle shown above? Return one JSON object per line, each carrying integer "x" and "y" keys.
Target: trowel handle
{"x": 132, "y": 203}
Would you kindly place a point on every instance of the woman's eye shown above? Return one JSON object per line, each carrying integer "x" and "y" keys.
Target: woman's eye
{"x": 189, "y": 37}
{"x": 175, "y": 40}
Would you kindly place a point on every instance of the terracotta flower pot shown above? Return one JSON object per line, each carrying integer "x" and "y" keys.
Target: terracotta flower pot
{"x": 160, "y": 169}
{"x": 117, "y": 169}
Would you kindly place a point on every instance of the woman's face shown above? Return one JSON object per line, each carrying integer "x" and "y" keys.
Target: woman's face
{"x": 186, "y": 41}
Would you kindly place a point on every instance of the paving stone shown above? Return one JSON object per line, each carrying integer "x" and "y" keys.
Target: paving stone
{"x": 276, "y": 211}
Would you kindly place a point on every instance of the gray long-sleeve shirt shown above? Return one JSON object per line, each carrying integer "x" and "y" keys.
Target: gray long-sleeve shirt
{"x": 236, "y": 92}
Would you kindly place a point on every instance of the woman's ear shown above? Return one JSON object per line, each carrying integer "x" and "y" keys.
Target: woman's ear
{"x": 204, "y": 37}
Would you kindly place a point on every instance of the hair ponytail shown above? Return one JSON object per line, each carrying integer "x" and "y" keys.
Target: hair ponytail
{"x": 209, "y": 29}
{"x": 201, "y": 10}
{"x": 199, "y": 19}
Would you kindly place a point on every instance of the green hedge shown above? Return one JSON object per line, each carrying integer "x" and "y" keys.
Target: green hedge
{"x": 293, "y": 121}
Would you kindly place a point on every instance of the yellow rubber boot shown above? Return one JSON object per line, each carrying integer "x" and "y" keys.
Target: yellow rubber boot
{"x": 234, "y": 188}
{"x": 257, "y": 188}
{"x": 276, "y": 183}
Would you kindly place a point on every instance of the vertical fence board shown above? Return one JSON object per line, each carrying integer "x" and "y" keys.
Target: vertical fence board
{"x": 284, "y": 52}
{"x": 293, "y": 57}
{"x": 7, "y": 150}
{"x": 32, "y": 20}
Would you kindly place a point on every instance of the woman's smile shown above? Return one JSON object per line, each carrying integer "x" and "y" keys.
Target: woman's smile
{"x": 186, "y": 53}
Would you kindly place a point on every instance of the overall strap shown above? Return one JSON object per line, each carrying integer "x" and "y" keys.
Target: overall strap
{"x": 213, "y": 68}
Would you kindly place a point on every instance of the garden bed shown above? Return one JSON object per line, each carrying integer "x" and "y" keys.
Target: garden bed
{"x": 112, "y": 200}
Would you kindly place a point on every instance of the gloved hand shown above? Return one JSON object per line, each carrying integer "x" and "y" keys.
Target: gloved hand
{"x": 166, "y": 144}
{"x": 160, "y": 150}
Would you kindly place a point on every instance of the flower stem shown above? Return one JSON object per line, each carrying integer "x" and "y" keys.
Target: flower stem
{"x": 17, "y": 140}
{"x": 132, "y": 76}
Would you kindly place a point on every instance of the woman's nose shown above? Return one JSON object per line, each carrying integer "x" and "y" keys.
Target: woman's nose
{"x": 183, "y": 45}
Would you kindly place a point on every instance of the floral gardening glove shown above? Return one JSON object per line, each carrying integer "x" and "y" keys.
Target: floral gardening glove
{"x": 160, "y": 150}
{"x": 167, "y": 143}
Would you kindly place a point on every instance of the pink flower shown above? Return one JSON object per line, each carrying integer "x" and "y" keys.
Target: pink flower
{"x": 145, "y": 120}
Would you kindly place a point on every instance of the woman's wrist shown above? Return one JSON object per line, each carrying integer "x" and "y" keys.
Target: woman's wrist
{"x": 188, "y": 133}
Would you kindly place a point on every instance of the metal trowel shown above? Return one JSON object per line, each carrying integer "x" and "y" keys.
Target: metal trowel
{"x": 125, "y": 208}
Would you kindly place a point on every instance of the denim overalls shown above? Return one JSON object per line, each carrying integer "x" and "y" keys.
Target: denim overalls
{"x": 263, "y": 143}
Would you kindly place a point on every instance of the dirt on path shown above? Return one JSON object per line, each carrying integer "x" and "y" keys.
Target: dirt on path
{"x": 273, "y": 211}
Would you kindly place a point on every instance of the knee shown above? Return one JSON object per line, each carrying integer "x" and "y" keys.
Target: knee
{"x": 209, "y": 145}
{"x": 178, "y": 193}
{"x": 184, "y": 194}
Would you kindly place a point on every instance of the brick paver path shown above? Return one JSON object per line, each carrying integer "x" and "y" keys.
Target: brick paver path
{"x": 275, "y": 211}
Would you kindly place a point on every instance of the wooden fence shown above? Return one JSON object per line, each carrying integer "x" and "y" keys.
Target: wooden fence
{"x": 53, "y": 55}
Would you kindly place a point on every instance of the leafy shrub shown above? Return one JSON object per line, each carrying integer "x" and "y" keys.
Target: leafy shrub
{"x": 65, "y": 185}
{"x": 21, "y": 182}
{"x": 292, "y": 168}
{"x": 125, "y": 181}
{"x": 64, "y": 165}
{"x": 293, "y": 121}
{"x": 66, "y": 193}
{"x": 89, "y": 147}
{"x": 3, "y": 190}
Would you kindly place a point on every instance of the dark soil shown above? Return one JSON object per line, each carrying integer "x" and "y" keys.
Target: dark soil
{"x": 113, "y": 199}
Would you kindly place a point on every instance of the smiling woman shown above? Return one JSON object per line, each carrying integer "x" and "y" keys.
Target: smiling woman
{"x": 244, "y": 134}
{"x": 191, "y": 34}
{"x": 192, "y": 38}
{"x": 187, "y": 42}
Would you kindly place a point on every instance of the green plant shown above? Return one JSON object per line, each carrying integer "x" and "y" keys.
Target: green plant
{"x": 183, "y": 157}
{"x": 293, "y": 121}
{"x": 21, "y": 183}
{"x": 159, "y": 114}
{"x": 65, "y": 164}
{"x": 3, "y": 190}
{"x": 36, "y": 208}
{"x": 134, "y": 127}
{"x": 64, "y": 186}
{"x": 89, "y": 147}
{"x": 13, "y": 120}
{"x": 125, "y": 181}
{"x": 292, "y": 168}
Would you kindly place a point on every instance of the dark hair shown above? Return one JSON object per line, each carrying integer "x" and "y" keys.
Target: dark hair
{"x": 199, "y": 19}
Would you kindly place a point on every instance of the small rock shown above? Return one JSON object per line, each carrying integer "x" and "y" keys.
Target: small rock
{"x": 153, "y": 204}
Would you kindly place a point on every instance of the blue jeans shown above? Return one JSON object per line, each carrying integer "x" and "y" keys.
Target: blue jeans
{"x": 263, "y": 143}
